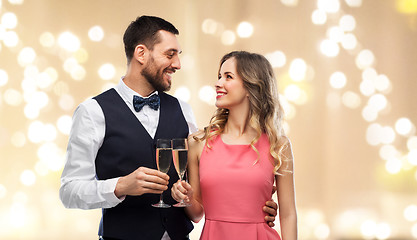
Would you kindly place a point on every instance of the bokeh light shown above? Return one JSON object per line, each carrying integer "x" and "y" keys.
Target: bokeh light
{"x": 290, "y": 3}
{"x": 410, "y": 213}
{"x": 17, "y": 215}
{"x": 26, "y": 56}
{"x": 244, "y": 29}
{"x": 10, "y": 39}
{"x": 330, "y": 6}
{"x": 28, "y": 177}
{"x": 69, "y": 41}
{"x": 354, "y": 3}
{"x": 16, "y": 2}
{"x": 207, "y": 94}
{"x": 383, "y": 231}
{"x": 322, "y": 231}
{"x": 377, "y": 134}
{"x": 351, "y": 99}
{"x": 383, "y": 84}
{"x": 319, "y": 17}
{"x": 187, "y": 62}
{"x": 107, "y": 71}
{"x": 295, "y": 94}
{"x": 349, "y": 41}
{"x": 277, "y": 59}
{"x": 64, "y": 124}
{"x": 414, "y": 230}
{"x": 388, "y": 151}
{"x": 335, "y": 34}
{"x": 81, "y": 55}
{"x": 329, "y": 48}
{"x": 31, "y": 111}
{"x": 35, "y": 132}
{"x": 368, "y": 229}
{"x": 78, "y": 73}
{"x": 365, "y": 59}
{"x": 228, "y": 37}
{"x": 96, "y": 33}
{"x": 377, "y": 102}
{"x": 66, "y": 102}
{"x": 47, "y": 39}
{"x": 412, "y": 143}
{"x": 183, "y": 93}
{"x": 13, "y": 97}
{"x": 209, "y": 26}
{"x": 404, "y": 126}
{"x": 4, "y": 77}
{"x": 298, "y": 69}
{"x": 51, "y": 156}
{"x": 347, "y": 23}
{"x": 406, "y": 6}
{"x": 37, "y": 99}
{"x": 367, "y": 87}
{"x": 393, "y": 166}
{"x": 338, "y": 80}
{"x": 9, "y": 20}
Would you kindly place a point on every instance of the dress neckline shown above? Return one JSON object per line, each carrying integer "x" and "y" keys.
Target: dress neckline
{"x": 239, "y": 145}
{"x": 234, "y": 145}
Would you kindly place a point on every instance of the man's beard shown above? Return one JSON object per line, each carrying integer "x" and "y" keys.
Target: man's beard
{"x": 155, "y": 78}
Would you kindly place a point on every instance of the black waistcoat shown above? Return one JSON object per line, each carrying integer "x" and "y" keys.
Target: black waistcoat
{"x": 126, "y": 147}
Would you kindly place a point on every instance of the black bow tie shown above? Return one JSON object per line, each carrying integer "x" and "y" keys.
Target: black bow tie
{"x": 152, "y": 101}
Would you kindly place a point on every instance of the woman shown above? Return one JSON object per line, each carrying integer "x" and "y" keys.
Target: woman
{"x": 233, "y": 163}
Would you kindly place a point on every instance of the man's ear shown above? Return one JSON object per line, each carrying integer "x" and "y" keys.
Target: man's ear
{"x": 140, "y": 53}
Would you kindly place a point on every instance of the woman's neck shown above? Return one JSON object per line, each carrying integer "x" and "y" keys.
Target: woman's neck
{"x": 238, "y": 128}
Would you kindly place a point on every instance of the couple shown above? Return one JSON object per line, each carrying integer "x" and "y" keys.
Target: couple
{"x": 233, "y": 163}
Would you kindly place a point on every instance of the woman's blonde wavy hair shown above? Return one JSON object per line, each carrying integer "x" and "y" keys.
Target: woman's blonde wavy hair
{"x": 266, "y": 114}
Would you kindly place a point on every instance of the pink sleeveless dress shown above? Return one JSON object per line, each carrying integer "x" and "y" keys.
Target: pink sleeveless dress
{"x": 234, "y": 190}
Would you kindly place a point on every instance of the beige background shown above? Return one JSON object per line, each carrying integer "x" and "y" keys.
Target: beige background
{"x": 341, "y": 180}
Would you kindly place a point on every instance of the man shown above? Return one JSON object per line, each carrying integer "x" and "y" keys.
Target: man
{"x": 111, "y": 150}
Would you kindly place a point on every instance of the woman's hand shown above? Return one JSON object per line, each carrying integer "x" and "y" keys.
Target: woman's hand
{"x": 181, "y": 190}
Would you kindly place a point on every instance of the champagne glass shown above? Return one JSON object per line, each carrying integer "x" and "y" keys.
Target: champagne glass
{"x": 179, "y": 156}
{"x": 163, "y": 162}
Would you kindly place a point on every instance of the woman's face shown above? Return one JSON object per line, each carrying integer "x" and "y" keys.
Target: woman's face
{"x": 229, "y": 88}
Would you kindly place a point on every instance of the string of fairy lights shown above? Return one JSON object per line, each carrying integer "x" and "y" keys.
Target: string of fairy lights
{"x": 40, "y": 85}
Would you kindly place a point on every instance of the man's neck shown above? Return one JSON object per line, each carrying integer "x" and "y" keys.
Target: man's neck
{"x": 138, "y": 84}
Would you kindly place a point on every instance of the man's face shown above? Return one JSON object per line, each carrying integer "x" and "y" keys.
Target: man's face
{"x": 163, "y": 62}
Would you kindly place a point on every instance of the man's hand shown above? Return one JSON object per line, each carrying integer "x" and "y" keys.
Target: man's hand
{"x": 142, "y": 180}
{"x": 270, "y": 208}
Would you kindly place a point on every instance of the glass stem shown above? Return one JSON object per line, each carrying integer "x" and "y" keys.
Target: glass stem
{"x": 160, "y": 198}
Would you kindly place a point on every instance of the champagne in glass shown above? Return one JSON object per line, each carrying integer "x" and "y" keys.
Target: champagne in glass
{"x": 163, "y": 156}
{"x": 179, "y": 156}
{"x": 163, "y": 162}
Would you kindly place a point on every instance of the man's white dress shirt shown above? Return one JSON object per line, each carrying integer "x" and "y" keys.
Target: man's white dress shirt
{"x": 79, "y": 186}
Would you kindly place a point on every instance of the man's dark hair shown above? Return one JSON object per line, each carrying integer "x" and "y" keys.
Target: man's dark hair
{"x": 144, "y": 31}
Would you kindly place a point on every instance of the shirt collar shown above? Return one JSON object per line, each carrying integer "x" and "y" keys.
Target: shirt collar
{"x": 127, "y": 93}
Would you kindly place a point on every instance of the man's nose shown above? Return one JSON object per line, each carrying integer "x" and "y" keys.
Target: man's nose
{"x": 176, "y": 63}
